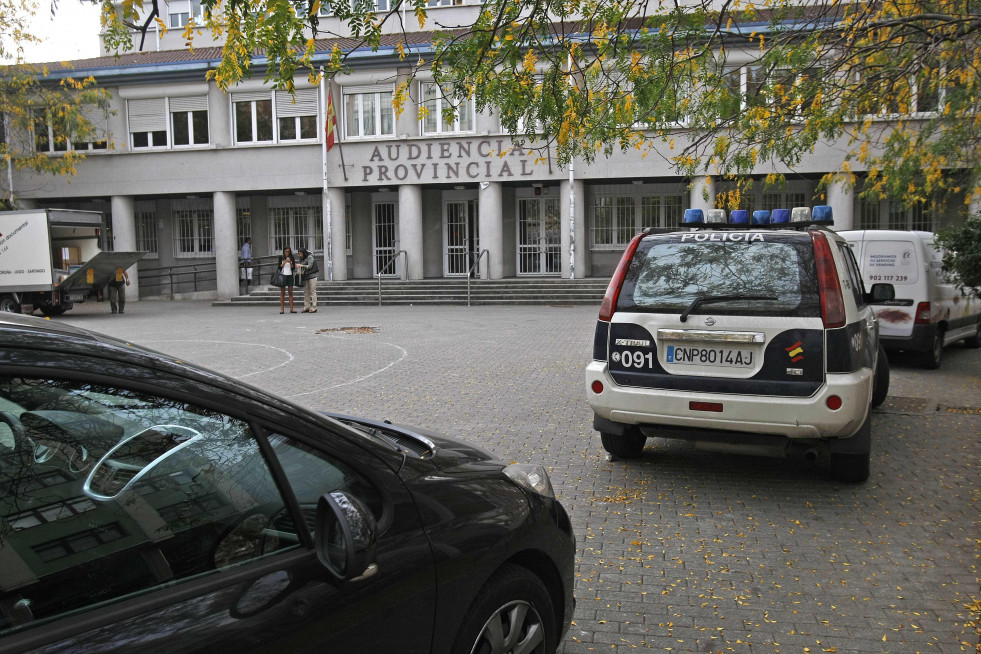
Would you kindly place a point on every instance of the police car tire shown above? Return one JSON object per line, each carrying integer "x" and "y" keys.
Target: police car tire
{"x": 628, "y": 446}
{"x": 880, "y": 386}
{"x": 933, "y": 356}
{"x": 854, "y": 467}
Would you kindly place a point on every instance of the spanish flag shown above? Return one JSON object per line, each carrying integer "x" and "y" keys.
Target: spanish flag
{"x": 331, "y": 125}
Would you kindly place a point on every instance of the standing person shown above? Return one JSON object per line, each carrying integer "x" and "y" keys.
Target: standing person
{"x": 287, "y": 266}
{"x": 245, "y": 263}
{"x": 308, "y": 273}
{"x": 117, "y": 290}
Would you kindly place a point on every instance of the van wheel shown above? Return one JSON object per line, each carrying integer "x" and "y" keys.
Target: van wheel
{"x": 855, "y": 467}
{"x": 628, "y": 446}
{"x": 9, "y": 304}
{"x": 931, "y": 360}
{"x": 880, "y": 387}
{"x": 975, "y": 341}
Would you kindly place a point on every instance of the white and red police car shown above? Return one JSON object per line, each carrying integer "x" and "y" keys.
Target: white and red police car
{"x": 752, "y": 334}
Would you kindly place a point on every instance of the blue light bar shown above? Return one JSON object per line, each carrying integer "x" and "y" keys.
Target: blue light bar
{"x": 821, "y": 214}
{"x": 694, "y": 217}
{"x": 738, "y": 217}
{"x": 761, "y": 217}
{"x": 780, "y": 216}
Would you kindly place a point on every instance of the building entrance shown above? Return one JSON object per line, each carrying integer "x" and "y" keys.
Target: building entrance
{"x": 460, "y": 242}
{"x": 385, "y": 239}
{"x": 539, "y": 240}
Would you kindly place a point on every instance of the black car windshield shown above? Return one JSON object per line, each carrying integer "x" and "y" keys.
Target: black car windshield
{"x": 668, "y": 273}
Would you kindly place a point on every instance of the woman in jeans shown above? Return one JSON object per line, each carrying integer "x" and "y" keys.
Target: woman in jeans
{"x": 287, "y": 266}
{"x": 309, "y": 281}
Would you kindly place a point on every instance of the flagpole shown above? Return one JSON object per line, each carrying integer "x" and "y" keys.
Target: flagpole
{"x": 328, "y": 236}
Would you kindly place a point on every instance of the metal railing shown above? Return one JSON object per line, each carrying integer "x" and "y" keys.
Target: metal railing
{"x": 470, "y": 272}
{"x": 381, "y": 272}
{"x": 193, "y": 277}
{"x": 188, "y": 278}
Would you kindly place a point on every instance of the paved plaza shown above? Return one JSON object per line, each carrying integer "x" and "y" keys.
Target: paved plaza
{"x": 683, "y": 550}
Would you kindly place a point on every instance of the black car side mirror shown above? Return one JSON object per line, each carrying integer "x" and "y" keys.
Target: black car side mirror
{"x": 881, "y": 293}
{"x": 345, "y": 536}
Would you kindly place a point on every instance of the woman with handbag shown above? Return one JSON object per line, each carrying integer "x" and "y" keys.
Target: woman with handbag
{"x": 286, "y": 268}
{"x": 308, "y": 273}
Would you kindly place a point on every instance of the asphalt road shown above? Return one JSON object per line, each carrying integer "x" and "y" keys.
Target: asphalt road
{"x": 683, "y": 550}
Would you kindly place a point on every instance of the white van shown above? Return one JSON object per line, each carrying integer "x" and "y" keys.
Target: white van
{"x": 928, "y": 312}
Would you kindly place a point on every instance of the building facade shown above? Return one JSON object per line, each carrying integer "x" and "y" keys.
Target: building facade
{"x": 186, "y": 172}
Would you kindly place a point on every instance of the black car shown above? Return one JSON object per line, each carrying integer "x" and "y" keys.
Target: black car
{"x": 151, "y": 505}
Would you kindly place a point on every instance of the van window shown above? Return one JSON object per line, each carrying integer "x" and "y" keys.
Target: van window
{"x": 892, "y": 262}
{"x": 669, "y": 272}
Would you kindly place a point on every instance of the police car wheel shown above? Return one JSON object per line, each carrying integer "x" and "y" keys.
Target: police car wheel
{"x": 880, "y": 386}
{"x": 854, "y": 467}
{"x": 628, "y": 446}
{"x": 932, "y": 358}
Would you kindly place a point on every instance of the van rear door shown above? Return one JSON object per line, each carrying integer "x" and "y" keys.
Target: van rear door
{"x": 897, "y": 262}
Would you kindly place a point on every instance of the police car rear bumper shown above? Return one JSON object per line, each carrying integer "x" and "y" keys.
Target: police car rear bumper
{"x": 791, "y": 417}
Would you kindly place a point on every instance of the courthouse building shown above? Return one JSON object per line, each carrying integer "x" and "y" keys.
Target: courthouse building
{"x": 185, "y": 172}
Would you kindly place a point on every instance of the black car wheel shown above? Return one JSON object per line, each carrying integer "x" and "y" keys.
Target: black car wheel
{"x": 628, "y": 446}
{"x": 880, "y": 386}
{"x": 512, "y": 613}
{"x": 931, "y": 360}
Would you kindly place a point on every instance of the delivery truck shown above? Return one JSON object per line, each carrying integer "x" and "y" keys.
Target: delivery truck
{"x": 51, "y": 259}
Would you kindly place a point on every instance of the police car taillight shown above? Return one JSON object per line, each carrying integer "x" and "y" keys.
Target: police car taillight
{"x": 613, "y": 290}
{"x": 832, "y": 302}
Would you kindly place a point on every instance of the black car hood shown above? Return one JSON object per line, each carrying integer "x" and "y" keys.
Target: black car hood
{"x": 442, "y": 452}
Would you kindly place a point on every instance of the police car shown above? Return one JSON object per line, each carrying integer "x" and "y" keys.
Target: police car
{"x": 750, "y": 334}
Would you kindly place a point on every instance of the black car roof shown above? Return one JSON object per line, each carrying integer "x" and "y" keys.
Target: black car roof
{"x": 43, "y": 335}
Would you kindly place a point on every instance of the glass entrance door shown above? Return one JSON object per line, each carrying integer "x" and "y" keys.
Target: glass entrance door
{"x": 459, "y": 236}
{"x": 539, "y": 241}
{"x": 385, "y": 235}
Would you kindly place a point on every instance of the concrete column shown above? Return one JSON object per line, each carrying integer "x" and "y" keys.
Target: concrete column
{"x": 338, "y": 227}
{"x": 220, "y": 117}
{"x": 702, "y": 194}
{"x": 410, "y": 229}
{"x": 842, "y": 202}
{"x": 124, "y": 238}
{"x": 226, "y": 245}
{"x": 579, "y": 228}
{"x": 491, "y": 230}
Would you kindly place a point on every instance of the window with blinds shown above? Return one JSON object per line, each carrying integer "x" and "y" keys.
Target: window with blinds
{"x": 189, "y": 121}
{"x": 276, "y": 116}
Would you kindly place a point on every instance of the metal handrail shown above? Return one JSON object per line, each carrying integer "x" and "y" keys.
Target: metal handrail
{"x": 470, "y": 272}
{"x": 385, "y": 267}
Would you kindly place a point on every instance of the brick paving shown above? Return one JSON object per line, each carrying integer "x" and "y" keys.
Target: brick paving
{"x": 683, "y": 550}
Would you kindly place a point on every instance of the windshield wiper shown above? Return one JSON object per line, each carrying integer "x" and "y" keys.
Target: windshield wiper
{"x": 711, "y": 299}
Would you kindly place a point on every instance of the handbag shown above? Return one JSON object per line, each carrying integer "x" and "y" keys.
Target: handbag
{"x": 311, "y": 271}
{"x": 278, "y": 279}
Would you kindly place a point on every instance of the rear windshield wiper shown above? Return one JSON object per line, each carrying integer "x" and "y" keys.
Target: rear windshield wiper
{"x": 707, "y": 299}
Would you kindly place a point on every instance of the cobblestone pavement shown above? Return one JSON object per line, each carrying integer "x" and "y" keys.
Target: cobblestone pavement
{"x": 683, "y": 550}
